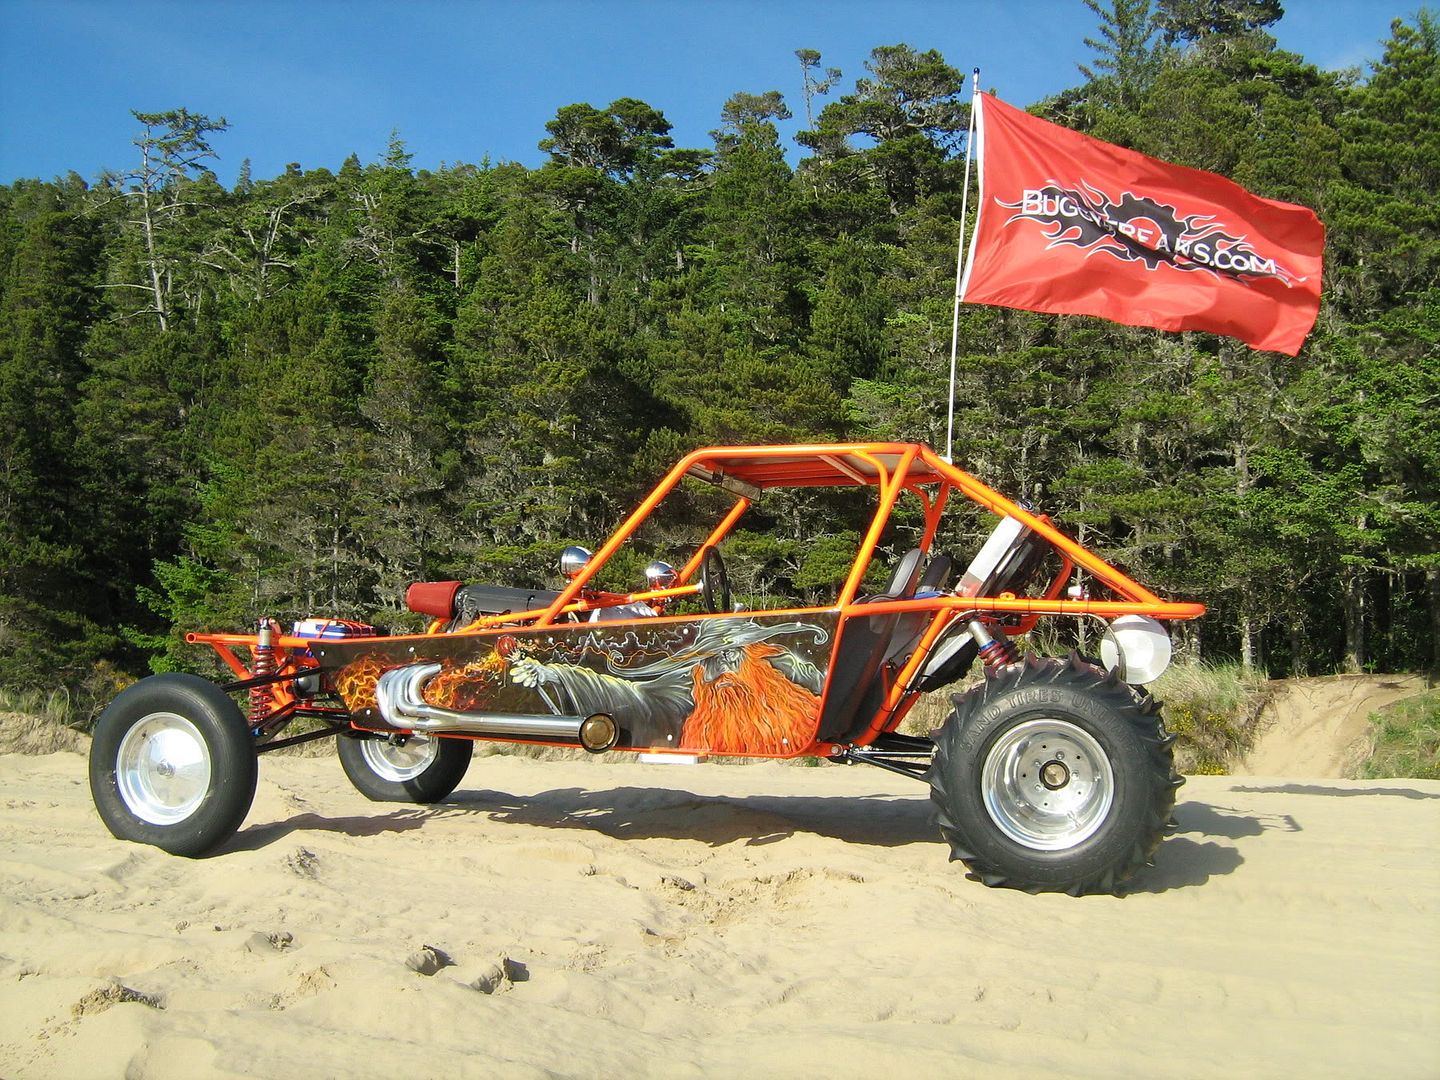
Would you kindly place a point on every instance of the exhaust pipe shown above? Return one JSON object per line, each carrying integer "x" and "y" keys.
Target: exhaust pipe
{"x": 399, "y": 696}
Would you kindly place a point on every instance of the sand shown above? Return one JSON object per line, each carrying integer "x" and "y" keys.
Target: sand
{"x": 611, "y": 919}
{"x": 1320, "y": 726}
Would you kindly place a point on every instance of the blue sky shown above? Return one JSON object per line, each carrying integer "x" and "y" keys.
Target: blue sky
{"x": 310, "y": 81}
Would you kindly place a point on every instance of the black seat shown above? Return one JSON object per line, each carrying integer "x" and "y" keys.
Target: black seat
{"x": 856, "y": 685}
{"x": 903, "y": 581}
{"x": 937, "y": 574}
{"x": 909, "y": 628}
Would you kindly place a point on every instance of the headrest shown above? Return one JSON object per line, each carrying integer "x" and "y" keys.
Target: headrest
{"x": 937, "y": 574}
{"x": 902, "y": 582}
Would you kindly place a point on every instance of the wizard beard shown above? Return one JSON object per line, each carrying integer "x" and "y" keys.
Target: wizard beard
{"x": 751, "y": 710}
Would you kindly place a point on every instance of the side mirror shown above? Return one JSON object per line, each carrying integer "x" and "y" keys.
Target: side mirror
{"x": 660, "y": 575}
{"x": 573, "y": 560}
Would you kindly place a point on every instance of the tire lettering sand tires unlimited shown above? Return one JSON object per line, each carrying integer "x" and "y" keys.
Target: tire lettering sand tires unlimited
{"x": 1053, "y": 776}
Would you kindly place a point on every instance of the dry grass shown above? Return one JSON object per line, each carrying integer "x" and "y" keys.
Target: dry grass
{"x": 1213, "y": 709}
{"x": 931, "y": 711}
{"x": 33, "y": 733}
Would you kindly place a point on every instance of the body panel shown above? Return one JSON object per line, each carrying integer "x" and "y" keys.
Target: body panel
{"x": 723, "y": 684}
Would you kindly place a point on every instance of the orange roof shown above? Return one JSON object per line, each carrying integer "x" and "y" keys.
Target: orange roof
{"x": 821, "y": 465}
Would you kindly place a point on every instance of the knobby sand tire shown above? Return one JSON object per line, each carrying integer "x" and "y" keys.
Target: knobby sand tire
{"x": 1054, "y": 776}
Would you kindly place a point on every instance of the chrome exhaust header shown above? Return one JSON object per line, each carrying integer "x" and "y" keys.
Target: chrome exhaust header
{"x": 399, "y": 696}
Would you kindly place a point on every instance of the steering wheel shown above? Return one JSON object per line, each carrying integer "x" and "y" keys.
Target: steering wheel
{"x": 714, "y": 582}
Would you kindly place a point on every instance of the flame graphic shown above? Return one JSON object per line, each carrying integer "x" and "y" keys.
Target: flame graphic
{"x": 355, "y": 683}
{"x": 464, "y": 687}
{"x": 460, "y": 686}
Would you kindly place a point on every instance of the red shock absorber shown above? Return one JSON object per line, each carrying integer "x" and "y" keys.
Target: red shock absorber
{"x": 995, "y": 652}
{"x": 262, "y": 698}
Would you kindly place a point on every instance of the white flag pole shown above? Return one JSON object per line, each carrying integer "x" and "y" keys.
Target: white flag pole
{"x": 959, "y": 267}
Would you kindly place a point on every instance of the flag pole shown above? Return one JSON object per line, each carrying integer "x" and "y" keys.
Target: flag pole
{"x": 959, "y": 267}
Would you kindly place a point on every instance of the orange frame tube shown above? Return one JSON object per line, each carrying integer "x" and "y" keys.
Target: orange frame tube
{"x": 896, "y": 467}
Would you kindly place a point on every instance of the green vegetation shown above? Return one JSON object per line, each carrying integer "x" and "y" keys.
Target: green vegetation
{"x": 1212, "y": 710}
{"x": 297, "y": 395}
{"x": 1405, "y": 740}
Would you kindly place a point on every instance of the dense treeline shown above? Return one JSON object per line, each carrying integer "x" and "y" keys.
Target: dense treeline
{"x": 300, "y": 394}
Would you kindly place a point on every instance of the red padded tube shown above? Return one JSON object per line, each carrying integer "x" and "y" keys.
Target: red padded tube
{"x": 434, "y": 598}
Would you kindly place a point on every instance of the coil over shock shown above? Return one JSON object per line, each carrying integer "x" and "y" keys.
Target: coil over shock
{"x": 995, "y": 652}
{"x": 262, "y": 698}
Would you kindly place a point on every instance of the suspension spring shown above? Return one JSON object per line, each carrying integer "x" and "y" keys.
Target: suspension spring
{"x": 995, "y": 652}
{"x": 262, "y": 698}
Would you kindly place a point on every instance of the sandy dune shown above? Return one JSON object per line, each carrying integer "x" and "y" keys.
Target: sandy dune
{"x": 709, "y": 921}
{"x": 1318, "y": 727}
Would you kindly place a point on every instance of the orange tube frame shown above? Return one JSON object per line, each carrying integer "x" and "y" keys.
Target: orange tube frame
{"x": 896, "y": 468}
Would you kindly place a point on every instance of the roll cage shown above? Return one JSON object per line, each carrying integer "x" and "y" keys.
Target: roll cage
{"x": 882, "y": 642}
{"x": 893, "y": 469}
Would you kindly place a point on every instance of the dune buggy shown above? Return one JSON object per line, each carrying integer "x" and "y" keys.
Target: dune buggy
{"x": 1051, "y": 774}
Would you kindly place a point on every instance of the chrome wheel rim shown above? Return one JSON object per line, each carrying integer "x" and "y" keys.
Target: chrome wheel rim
{"x": 400, "y": 763}
{"x": 163, "y": 768}
{"x": 1047, "y": 784}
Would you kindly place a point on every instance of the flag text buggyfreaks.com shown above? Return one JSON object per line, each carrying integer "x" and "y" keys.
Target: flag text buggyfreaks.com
{"x": 1072, "y": 225}
{"x": 1140, "y": 229}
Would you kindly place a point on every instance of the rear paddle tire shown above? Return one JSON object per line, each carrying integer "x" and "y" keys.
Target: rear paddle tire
{"x": 413, "y": 769}
{"x": 1053, "y": 776}
{"x": 172, "y": 764}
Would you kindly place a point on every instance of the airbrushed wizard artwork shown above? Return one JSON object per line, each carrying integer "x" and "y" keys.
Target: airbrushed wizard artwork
{"x": 723, "y": 687}
{"x": 1050, "y": 774}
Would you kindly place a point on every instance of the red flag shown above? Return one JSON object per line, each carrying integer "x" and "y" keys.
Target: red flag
{"x": 1075, "y": 226}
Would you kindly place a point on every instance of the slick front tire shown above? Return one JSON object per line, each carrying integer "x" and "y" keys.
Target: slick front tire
{"x": 1053, "y": 776}
{"x": 419, "y": 769}
{"x": 172, "y": 764}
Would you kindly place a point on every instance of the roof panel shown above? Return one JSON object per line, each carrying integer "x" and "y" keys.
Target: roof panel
{"x": 815, "y": 466}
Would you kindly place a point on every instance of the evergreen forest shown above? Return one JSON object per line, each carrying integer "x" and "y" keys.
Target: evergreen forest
{"x": 299, "y": 394}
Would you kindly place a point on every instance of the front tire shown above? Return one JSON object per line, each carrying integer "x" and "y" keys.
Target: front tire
{"x": 1053, "y": 776}
{"x": 419, "y": 769}
{"x": 172, "y": 764}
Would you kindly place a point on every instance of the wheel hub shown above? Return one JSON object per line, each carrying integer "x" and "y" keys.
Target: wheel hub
{"x": 401, "y": 760}
{"x": 162, "y": 769}
{"x": 1054, "y": 775}
{"x": 1047, "y": 784}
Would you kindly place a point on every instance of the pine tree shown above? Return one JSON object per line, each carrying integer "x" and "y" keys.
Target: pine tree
{"x": 48, "y": 618}
{"x": 911, "y": 108}
{"x": 1125, "y": 60}
{"x": 164, "y": 192}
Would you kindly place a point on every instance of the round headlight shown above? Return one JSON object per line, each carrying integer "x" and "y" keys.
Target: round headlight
{"x": 660, "y": 575}
{"x": 572, "y": 561}
{"x": 1136, "y": 648}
